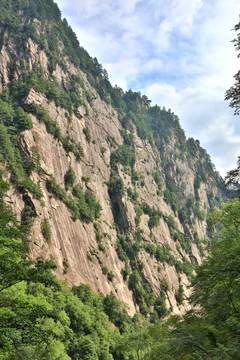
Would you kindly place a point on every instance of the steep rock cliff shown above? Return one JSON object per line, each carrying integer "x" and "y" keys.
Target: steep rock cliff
{"x": 119, "y": 209}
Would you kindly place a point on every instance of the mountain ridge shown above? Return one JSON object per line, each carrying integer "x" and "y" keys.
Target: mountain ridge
{"x": 109, "y": 186}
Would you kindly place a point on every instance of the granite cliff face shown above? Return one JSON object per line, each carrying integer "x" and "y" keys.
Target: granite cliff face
{"x": 148, "y": 231}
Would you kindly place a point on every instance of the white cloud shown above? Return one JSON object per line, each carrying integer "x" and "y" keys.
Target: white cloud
{"x": 212, "y": 124}
{"x": 123, "y": 71}
{"x": 153, "y": 65}
{"x": 92, "y": 8}
{"x": 180, "y": 16}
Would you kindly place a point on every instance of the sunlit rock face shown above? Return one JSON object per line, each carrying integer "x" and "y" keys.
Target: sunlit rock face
{"x": 164, "y": 177}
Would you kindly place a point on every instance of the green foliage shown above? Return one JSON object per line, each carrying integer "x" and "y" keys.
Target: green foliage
{"x": 160, "y": 307}
{"x": 163, "y": 254}
{"x": 139, "y": 212}
{"x": 152, "y": 123}
{"x": 83, "y": 205}
{"x": 232, "y": 94}
{"x": 56, "y": 189}
{"x": 9, "y": 154}
{"x": 154, "y": 215}
{"x": 14, "y": 266}
{"x": 132, "y": 194}
{"x": 70, "y": 146}
{"x": 46, "y": 230}
{"x": 22, "y": 120}
{"x": 69, "y": 178}
{"x": 103, "y": 150}
{"x": 6, "y": 113}
{"x": 116, "y": 312}
{"x": 116, "y": 188}
{"x": 184, "y": 215}
{"x": 158, "y": 180}
{"x": 48, "y": 324}
{"x": 26, "y": 216}
{"x": 211, "y": 328}
{"x": 65, "y": 266}
{"x": 52, "y": 127}
{"x": 26, "y": 323}
{"x": 43, "y": 116}
{"x": 33, "y": 162}
{"x": 184, "y": 241}
{"x": 233, "y": 178}
{"x": 87, "y": 296}
{"x": 171, "y": 199}
{"x": 135, "y": 343}
{"x": 43, "y": 319}
{"x": 179, "y": 294}
{"x": 191, "y": 211}
{"x": 221, "y": 262}
{"x": 142, "y": 292}
{"x": 87, "y": 134}
{"x": 171, "y": 222}
{"x": 123, "y": 155}
{"x": 164, "y": 285}
{"x": 93, "y": 205}
{"x": 110, "y": 275}
{"x": 87, "y": 348}
{"x": 37, "y": 322}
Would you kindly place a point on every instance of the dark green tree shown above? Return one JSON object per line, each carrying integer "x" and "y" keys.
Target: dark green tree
{"x": 69, "y": 178}
{"x": 233, "y": 94}
{"x": 22, "y": 120}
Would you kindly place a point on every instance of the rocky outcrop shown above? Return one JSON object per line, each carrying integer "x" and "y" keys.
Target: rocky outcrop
{"x": 76, "y": 242}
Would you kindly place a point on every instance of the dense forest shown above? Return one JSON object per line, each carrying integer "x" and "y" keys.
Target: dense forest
{"x": 41, "y": 317}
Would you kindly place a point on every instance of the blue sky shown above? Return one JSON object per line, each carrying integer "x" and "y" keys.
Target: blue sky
{"x": 177, "y": 52}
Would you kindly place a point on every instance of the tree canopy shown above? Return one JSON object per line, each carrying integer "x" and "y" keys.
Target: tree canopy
{"x": 233, "y": 94}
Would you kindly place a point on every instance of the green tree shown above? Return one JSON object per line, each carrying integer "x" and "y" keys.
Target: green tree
{"x": 116, "y": 188}
{"x": 6, "y": 113}
{"x": 233, "y": 94}
{"x": 69, "y": 178}
{"x": 233, "y": 176}
{"x": 159, "y": 336}
{"x": 22, "y": 120}
{"x": 87, "y": 349}
{"x": 217, "y": 278}
{"x": 135, "y": 342}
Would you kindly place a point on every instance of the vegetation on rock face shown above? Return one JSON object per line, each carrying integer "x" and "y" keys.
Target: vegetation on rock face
{"x": 83, "y": 205}
{"x": 46, "y": 230}
{"x": 69, "y": 178}
{"x": 152, "y": 124}
{"x": 40, "y": 318}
